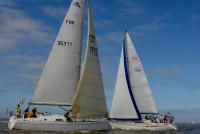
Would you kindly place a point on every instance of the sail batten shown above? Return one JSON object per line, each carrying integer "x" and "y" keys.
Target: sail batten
{"x": 60, "y": 76}
{"x": 89, "y": 100}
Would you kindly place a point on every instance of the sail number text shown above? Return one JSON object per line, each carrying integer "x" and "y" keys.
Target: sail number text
{"x": 64, "y": 43}
{"x": 70, "y": 22}
{"x": 92, "y": 38}
{"x": 93, "y": 51}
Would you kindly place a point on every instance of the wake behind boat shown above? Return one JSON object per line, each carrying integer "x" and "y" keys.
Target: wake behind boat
{"x": 132, "y": 95}
{"x": 61, "y": 85}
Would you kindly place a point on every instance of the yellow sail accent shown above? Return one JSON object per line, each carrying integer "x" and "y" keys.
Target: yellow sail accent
{"x": 89, "y": 100}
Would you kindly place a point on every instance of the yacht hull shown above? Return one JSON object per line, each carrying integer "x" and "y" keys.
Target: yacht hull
{"x": 60, "y": 125}
{"x": 142, "y": 126}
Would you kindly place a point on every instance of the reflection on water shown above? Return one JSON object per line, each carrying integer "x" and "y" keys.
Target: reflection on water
{"x": 182, "y": 129}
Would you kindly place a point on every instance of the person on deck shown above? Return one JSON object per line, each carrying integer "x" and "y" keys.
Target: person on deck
{"x": 34, "y": 111}
{"x": 26, "y": 113}
{"x": 166, "y": 118}
{"x": 146, "y": 117}
{"x": 68, "y": 116}
{"x": 18, "y": 111}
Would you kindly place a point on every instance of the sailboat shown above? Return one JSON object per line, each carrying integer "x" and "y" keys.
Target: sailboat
{"x": 61, "y": 85}
{"x": 132, "y": 95}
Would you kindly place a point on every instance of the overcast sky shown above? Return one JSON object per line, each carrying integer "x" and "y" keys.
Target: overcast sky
{"x": 166, "y": 35}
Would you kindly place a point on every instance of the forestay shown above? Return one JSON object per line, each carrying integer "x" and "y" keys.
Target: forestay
{"x": 89, "y": 101}
{"x": 60, "y": 76}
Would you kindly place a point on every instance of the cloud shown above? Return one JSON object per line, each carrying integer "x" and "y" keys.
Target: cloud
{"x": 166, "y": 71}
{"x": 130, "y": 8}
{"x": 112, "y": 38}
{"x": 7, "y": 3}
{"x": 195, "y": 18}
{"x": 19, "y": 80}
{"x": 18, "y": 28}
{"x": 173, "y": 77}
{"x": 104, "y": 24}
{"x": 29, "y": 76}
{"x": 53, "y": 11}
{"x": 22, "y": 37}
{"x": 185, "y": 83}
{"x": 23, "y": 61}
{"x": 102, "y": 8}
{"x": 165, "y": 17}
{"x": 151, "y": 27}
{"x": 33, "y": 65}
{"x": 20, "y": 72}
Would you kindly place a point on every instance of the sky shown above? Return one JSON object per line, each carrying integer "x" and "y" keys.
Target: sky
{"x": 166, "y": 35}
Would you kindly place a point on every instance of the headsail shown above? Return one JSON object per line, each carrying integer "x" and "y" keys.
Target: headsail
{"x": 60, "y": 76}
{"x": 138, "y": 80}
{"x": 132, "y": 95}
{"x": 89, "y": 100}
{"x": 122, "y": 105}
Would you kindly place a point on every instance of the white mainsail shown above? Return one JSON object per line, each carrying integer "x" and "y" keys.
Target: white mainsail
{"x": 89, "y": 101}
{"x": 138, "y": 80}
{"x": 122, "y": 106}
{"x": 60, "y": 76}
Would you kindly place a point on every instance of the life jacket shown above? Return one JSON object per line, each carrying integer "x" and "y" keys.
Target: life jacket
{"x": 18, "y": 110}
{"x": 30, "y": 114}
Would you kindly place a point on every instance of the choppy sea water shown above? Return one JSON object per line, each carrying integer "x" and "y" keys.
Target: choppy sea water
{"x": 183, "y": 128}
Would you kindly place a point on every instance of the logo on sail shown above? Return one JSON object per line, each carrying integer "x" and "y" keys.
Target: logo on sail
{"x": 70, "y": 22}
{"x": 138, "y": 69}
{"x": 76, "y": 4}
{"x": 135, "y": 58}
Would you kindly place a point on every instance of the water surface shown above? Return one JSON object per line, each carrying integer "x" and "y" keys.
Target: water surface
{"x": 183, "y": 128}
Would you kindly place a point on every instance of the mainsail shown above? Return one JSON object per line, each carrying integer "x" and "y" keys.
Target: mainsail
{"x": 89, "y": 101}
{"x": 138, "y": 80}
{"x": 132, "y": 95}
{"x": 60, "y": 76}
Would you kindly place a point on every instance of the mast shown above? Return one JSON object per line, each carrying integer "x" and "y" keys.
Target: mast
{"x": 60, "y": 76}
{"x": 89, "y": 101}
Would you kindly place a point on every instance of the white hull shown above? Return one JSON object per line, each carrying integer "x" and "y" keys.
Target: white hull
{"x": 48, "y": 123}
{"x": 125, "y": 125}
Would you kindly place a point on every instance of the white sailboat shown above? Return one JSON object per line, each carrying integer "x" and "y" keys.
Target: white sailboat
{"x": 132, "y": 95}
{"x": 60, "y": 85}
